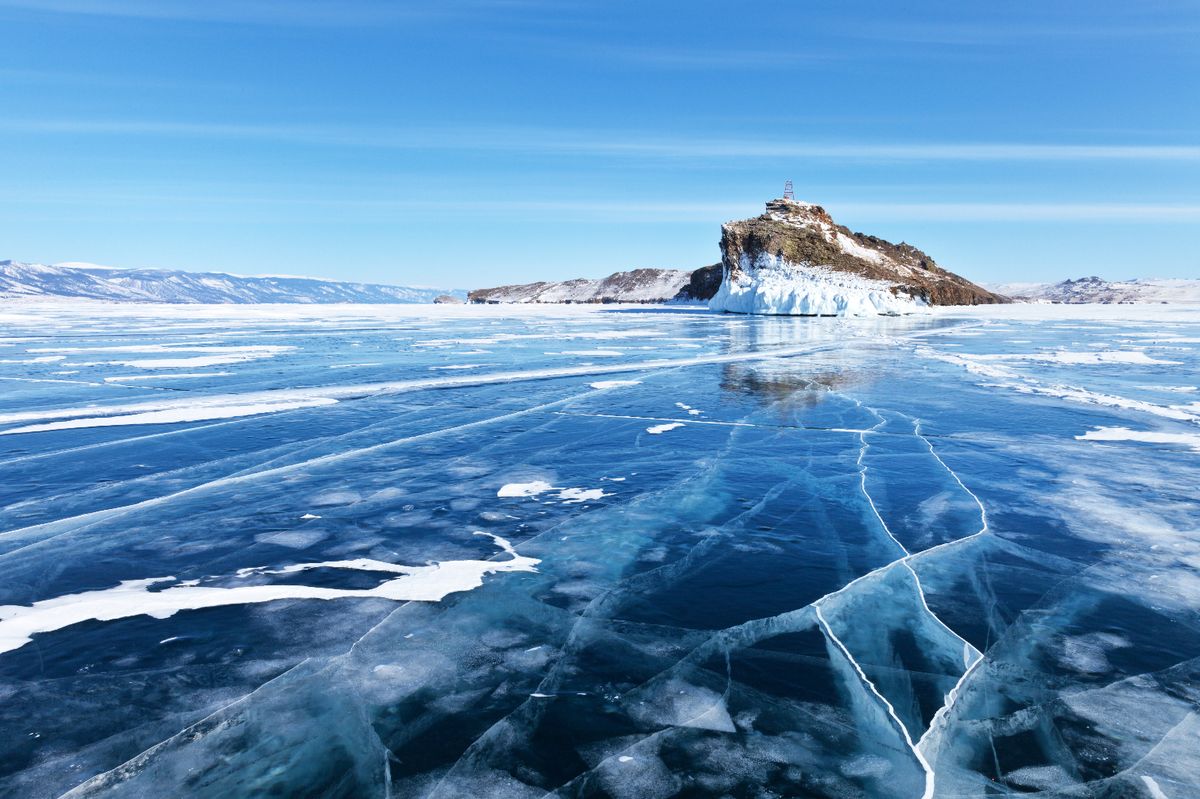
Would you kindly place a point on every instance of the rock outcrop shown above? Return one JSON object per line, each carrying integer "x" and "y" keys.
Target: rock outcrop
{"x": 795, "y": 260}
{"x": 635, "y": 286}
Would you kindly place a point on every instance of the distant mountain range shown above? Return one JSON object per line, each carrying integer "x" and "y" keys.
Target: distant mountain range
{"x": 637, "y": 285}
{"x": 1098, "y": 290}
{"x": 88, "y": 281}
{"x": 793, "y": 259}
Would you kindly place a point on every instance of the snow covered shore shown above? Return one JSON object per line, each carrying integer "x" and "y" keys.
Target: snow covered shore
{"x": 772, "y": 285}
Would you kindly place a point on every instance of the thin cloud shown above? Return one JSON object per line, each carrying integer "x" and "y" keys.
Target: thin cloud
{"x": 624, "y": 211}
{"x": 1023, "y": 212}
{"x": 267, "y": 12}
{"x": 615, "y": 144}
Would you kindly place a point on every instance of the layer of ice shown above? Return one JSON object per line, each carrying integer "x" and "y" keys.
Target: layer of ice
{"x": 856, "y": 573}
{"x": 771, "y": 284}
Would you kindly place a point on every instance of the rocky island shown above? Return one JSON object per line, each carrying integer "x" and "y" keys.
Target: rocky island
{"x": 795, "y": 260}
{"x": 792, "y": 260}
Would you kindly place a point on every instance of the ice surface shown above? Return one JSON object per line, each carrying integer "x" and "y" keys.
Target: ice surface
{"x": 944, "y": 555}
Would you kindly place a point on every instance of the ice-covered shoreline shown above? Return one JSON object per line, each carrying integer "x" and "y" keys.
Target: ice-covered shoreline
{"x": 772, "y": 285}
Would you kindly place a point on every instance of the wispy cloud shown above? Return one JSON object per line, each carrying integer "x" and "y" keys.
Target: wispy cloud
{"x": 609, "y": 144}
{"x": 1007, "y": 29}
{"x": 1023, "y": 212}
{"x": 292, "y": 200}
{"x": 269, "y": 12}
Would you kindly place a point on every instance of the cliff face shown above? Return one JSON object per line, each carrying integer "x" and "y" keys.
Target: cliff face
{"x": 638, "y": 285}
{"x": 794, "y": 259}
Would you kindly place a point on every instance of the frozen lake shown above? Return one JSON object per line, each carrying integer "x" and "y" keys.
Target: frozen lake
{"x": 598, "y": 552}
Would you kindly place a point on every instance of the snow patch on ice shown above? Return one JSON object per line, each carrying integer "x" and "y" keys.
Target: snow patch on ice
{"x": 430, "y": 583}
{"x": 614, "y": 383}
{"x": 1078, "y": 358}
{"x": 197, "y": 413}
{"x": 524, "y": 489}
{"x": 175, "y": 376}
{"x": 1152, "y": 786}
{"x": 589, "y": 353}
{"x": 1147, "y": 436}
{"x": 573, "y": 496}
{"x": 569, "y": 496}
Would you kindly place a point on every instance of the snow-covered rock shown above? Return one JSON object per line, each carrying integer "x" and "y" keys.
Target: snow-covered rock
{"x": 88, "y": 281}
{"x": 770, "y": 284}
{"x": 795, "y": 260}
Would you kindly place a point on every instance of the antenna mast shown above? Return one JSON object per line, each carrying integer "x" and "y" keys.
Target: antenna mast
{"x": 787, "y": 191}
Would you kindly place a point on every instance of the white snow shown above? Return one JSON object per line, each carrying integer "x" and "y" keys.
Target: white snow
{"x": 524, "y": 489}
{"x": 180, "y": 413}
{"x": 648, "y": 287}
{"x": 1138, "y": 290}
{"x": 573, "y": 496}
{"x": 1078, "y": 358}
{"x": 614, "y": 383}
{"x": 590, "y": 353}
{"x": 39, "y": 359}
{"x": 1176, "y": 389}
{"x": 852, "y": 247}
{"x": 1148, "y": 436}
{"x": 773, "y": 285}
{"x": 174, "y": 376}
{"x": 569, "y": 496}
{"x": 431, "y": 583}
{"x": 199, "y": 361}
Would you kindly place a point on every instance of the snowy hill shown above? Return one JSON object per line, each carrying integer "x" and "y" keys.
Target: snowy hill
{"x": 637, "y": 285}
{"x": 1098, "y": 290}
{"x": 89, "y": 281}
{"x": 795, "y": 260}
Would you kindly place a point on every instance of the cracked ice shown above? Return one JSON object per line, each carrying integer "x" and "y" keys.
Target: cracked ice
{"x": 902, "y": 557}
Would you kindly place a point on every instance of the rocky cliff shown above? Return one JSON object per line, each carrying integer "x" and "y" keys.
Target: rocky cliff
{"x": 794, "y": 259}
{"x": 638, "y": 285}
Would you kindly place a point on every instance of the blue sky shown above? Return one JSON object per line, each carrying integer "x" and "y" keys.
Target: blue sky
{"x": 469, "y": 143}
